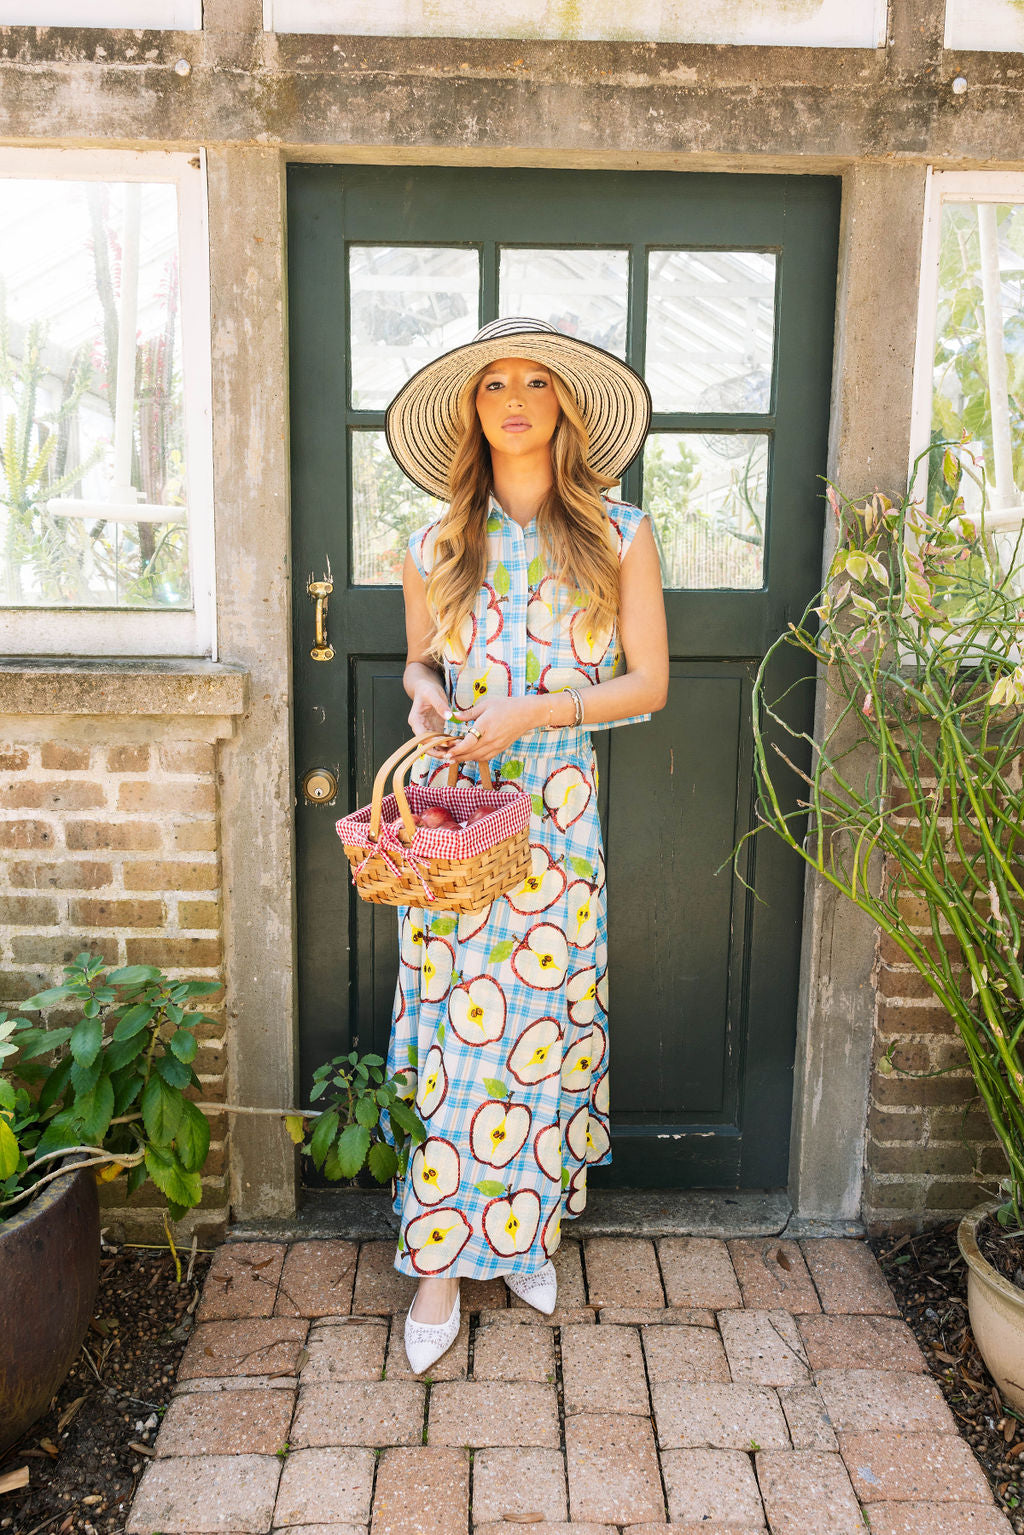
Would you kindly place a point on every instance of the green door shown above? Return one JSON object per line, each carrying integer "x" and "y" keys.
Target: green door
{"x": 720, "y": 290}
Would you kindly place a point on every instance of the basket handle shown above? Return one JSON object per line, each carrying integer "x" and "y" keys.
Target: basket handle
{"x": 401, "y": 760}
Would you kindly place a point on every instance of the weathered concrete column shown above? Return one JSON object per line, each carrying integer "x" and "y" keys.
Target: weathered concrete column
{"x": 876, "y": 324}
{"x": 251, "y": 487}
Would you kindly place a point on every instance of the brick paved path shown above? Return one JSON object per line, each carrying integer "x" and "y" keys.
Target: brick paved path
{"x": 684, "y": 1385}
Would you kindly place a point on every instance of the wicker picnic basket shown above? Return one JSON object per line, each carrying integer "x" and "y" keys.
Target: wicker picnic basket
{"x": 395, "y": 862}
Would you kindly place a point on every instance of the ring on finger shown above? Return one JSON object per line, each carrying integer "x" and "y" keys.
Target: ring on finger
{"x": 472, "y": 731}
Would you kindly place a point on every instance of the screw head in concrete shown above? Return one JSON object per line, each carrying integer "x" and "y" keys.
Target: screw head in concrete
{"x": 183, "y": 67}
{"x": 959, "y": 85}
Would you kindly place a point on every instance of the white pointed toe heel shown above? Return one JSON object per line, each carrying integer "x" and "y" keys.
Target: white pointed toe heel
{"x": 539, "y": 1290}
{"x": 425, "y": 1342}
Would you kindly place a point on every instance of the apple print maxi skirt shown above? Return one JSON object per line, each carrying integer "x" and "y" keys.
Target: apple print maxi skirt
{"x": 502, "y": 1015}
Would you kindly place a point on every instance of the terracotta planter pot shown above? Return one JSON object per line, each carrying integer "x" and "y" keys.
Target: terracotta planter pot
{"x": 996, "y": 1309}
{"x": 49, "y": 1273}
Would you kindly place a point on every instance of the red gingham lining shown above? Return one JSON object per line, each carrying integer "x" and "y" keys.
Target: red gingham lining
{"x": 511, "y": 812}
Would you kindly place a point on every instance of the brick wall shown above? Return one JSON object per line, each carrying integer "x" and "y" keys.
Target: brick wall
{"x": 925, "y": 1162}
{"x": 109, "y": 843}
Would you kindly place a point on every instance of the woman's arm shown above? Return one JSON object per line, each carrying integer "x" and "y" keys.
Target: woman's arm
{"x": 641, "y": 689}
{"x": 421, "y": 678}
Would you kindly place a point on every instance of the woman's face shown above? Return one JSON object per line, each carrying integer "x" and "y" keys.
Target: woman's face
{"x": 517, "y": 406}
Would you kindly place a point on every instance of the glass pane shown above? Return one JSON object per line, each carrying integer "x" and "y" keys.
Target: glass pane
{"x": 386, "y": 508}
{"x": 708, "y": 498}
{"x": 710, "y": 330}
{"x": 407, "y": 305}
{"x": 90, "y": 359}
{"x": 582, "y": 292}
{"x": 979, "y": 349}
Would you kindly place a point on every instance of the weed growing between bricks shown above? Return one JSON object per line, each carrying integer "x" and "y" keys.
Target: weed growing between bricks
{"x": 928, "y": 1278}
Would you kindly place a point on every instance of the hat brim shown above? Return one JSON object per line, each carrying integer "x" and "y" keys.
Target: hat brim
{"x": 422, "y": 424}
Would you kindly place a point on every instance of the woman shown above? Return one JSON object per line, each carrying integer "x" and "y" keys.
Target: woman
{"x": 521, "y": 599}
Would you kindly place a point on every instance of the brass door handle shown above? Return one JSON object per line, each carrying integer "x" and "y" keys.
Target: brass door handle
{"x": 322, "y": 649}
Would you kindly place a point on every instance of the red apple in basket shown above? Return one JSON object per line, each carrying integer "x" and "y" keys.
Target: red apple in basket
{"x": 477, "y": 814}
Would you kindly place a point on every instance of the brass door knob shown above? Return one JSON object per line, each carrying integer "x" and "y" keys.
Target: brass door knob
{"x": 319, "y": 785}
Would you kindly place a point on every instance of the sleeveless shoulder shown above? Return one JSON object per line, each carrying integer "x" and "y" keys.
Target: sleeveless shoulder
{"x": 421, "y": 546}
{"x": 625, "y": 519}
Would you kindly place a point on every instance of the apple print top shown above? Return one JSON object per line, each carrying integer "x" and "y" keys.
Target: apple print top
{"x": 501, "y": 1016}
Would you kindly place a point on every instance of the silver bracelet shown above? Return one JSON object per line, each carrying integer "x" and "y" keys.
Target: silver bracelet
{"x": 577, "y": 704}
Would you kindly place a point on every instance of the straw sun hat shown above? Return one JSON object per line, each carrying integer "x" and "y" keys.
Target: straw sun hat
{"x": 423, "y": 425}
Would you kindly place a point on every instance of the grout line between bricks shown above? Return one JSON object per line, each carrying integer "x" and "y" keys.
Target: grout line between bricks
{"x": 661, "y": 1277}
{"x": 556, "y": 1338}
{"x": 650, "y": 1407}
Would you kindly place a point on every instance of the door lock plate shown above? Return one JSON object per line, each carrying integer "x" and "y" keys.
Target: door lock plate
{"x": 319, "y": 785}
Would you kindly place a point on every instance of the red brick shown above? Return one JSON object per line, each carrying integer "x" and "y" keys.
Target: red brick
{"x": 13, "y": 759}
{"x": 27, "y": 911}
{"x": 915, "y": 1018}
{"x": 242, "y": 1281}
{"x": 199, "y": 914}
{"x": 262, "y": 1346}
{"x": 412, "y": 1480}
{"x": 74, "y": 795}
{"x": 27, "y": 834}
{"x": 912, "y": 1158}
{"x": 954, "y": 1088}
{"x": 317, "y": 1279}
{"x": 128, "y": 759}
{"x": 70, "y": 759}
{"x": 766, "y": 1280}
{"x": 887, "y": 1466}
{"x": 859, "y": 1343}
{"x": 906, "y": 982}
{"x": 946, "y": 1195}
{"x": 937, "y": 1519}
{"x": 622, "y": 1271}
{"x": 252, "y": 1422}
{"x": 174, "y": 953}
{"x": 113, "y": 913}
{"x": 170, "y": 798}
{"x": 58, "y": 950}
{"x": 192, "y": 837}
{"x": 186, "y": 756}
{"x": 69, "y": 875}
{"x": 129, "y": 836}
{"x": 171, "y": 875}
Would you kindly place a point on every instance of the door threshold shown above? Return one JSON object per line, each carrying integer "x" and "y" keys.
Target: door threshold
{"x": 365, "y": 1215}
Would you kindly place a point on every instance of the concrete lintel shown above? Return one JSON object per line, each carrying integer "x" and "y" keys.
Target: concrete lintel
{"x": 877, "y": 299}
{"x": 253, "y": 533}
{"x": 121, "y": 687}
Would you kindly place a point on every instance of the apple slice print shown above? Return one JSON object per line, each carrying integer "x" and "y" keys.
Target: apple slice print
{"x": 580, "y": 994}
{"x": 472, "y": 922}
{"x": 576, "y": 1193}
{"x": 598, "y": 1139}
{"x": 551, "y": 1235}
{"x": 476, "y": 683}
{"x": 582, "y": 923}
{"x": 498, "y": 1132}
{"x": 547, "y": 1148}
{"x": 555, "y": 679}
{"x": 435, "y": 1170}
{"x": 536, "y": 1054}
{"x": 435, "y": 1239}
{"x": 582, "y": 1060}
{"x": 567, "y": 794}
{"x": 601, "y": 1095}
{"x": 510, "y": 1224}
{"x": 542, "y": 886}
{"x": 540, "y": 614}
{"x": 436, "y": 975}
{"x": 432, "y": 1088}
{"x": 413, "y": 939}
{"x": 477, "y": 1010}
{"x": 588, "y": 647}
{"x": 576, "y": 1133}
{"x": 542, "y": 959}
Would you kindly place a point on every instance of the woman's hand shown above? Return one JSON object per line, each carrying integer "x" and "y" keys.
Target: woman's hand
{"x": 429, "y": 707}
{"x": 498, "y": 723}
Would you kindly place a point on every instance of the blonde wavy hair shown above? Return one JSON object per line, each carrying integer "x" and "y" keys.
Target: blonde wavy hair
{"x": 572, "y": 520}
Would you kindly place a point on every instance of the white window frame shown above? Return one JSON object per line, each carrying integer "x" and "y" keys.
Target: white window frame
{"x": 88, "y": 631}
{"x": 949, "y": 187}
{"x": 155, "y": 15}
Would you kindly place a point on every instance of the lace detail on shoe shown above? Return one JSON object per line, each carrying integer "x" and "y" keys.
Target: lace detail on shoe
{"x": 425, "y": 1342}
{"x": 538, "y": 1289}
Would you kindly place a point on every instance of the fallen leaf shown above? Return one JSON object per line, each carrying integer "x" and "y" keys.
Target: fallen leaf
{"x": 69, "y": 1413}
{"x": 10, "y": 1481}
{"x": 782, "y": 1260}
{"x": 523, "y": 1518}
{"x": 50, "y": 1448}
{"x": 303, "y": 1355}
{"x": 141, "y": 1449}
{"x": 946, "y": 1358}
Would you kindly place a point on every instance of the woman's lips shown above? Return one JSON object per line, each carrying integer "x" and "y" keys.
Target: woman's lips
{"x": 517, "y": 424}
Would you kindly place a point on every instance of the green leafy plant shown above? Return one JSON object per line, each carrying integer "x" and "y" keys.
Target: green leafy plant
{"x": 107, "y": 1091}
{"x": 913, "y": 805}
{"x": 367, "y": 1120}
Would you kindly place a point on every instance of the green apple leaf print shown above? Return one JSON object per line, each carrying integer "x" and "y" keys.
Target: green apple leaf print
{"x": 538, "y": 804}
{"x": 493, "y": 523}
{"x": 565, "y": 1177}
{"x": 496, "y": 1087}
{"x": 513, "y": 769}
{"x": 532, "y": 667}
{"x": 535, "y": 571}
{"x": 413, "y": 1056}
{"x": 581, "y": 866}
{"x": 441, "y": 926}
{"x": 501, "y": 951}
{"x": 490, "y": 1188}
{"x": 440, "y": 1033}
{"x": 502, "y": 581}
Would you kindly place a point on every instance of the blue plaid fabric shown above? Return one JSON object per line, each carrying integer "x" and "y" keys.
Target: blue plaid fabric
{"x": 501, "y": 1016}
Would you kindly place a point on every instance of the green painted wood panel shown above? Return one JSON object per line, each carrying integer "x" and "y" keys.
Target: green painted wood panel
{"x": 703, "y": 977}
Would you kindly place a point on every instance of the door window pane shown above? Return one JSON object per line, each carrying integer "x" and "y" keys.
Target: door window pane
{"x": 708, "y": 497}
{"x": 407, "y": 305}
{"x": 710, "y": 330}
{"x": 386, "y": 508}
{"x": 584, "y": 293}
{"x": 92, "y": 486}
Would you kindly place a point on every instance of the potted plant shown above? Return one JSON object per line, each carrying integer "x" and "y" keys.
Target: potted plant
{"x": 105, "y": 1095}
{"x": 913, "y": 804}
